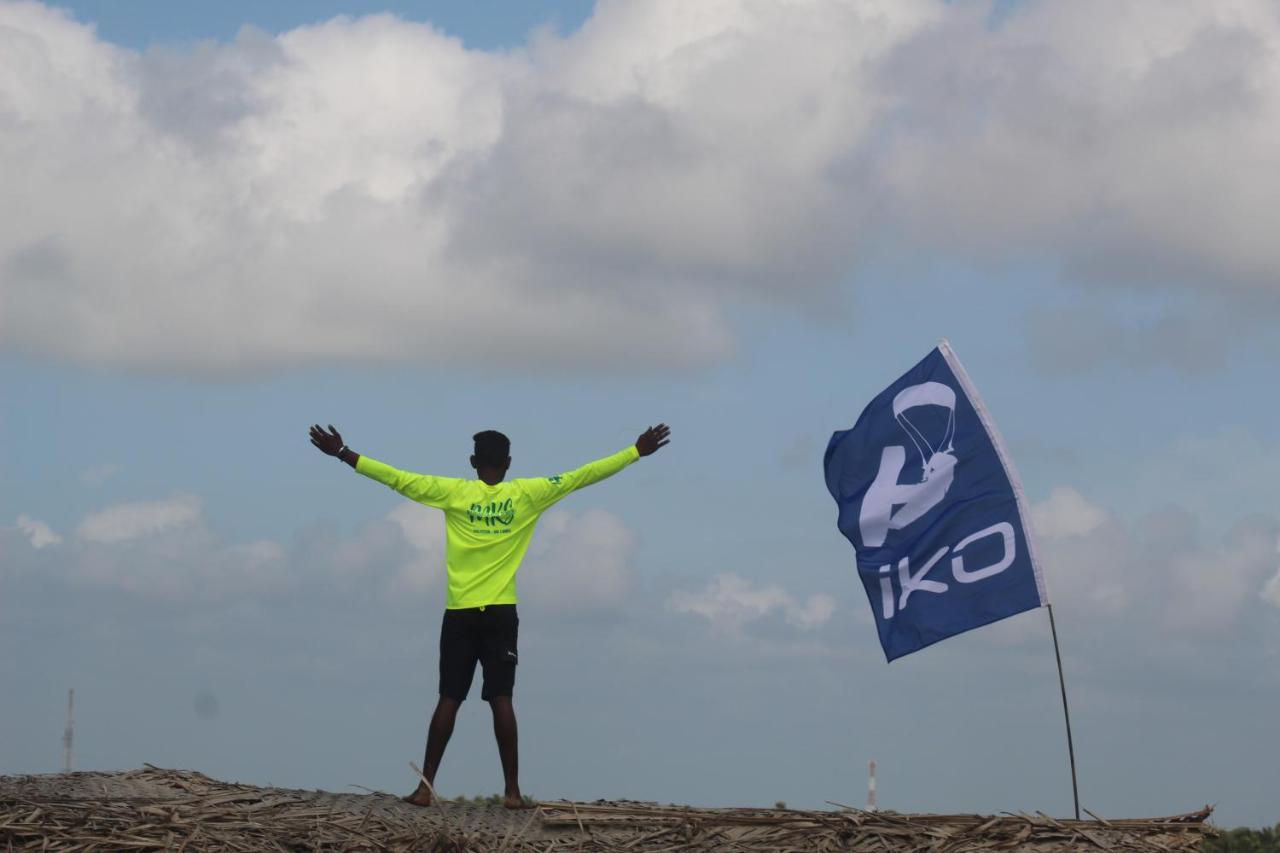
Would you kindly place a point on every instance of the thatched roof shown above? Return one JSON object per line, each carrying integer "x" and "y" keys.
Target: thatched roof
{"x": 155, "y": 809}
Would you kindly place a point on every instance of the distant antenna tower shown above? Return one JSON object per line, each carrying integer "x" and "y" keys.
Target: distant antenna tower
{"x": 69, "y": 735}
{"x": 871, "y": 786}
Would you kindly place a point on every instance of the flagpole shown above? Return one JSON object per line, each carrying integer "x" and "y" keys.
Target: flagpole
{"x": 1062, "y": 683}
{"x": 1015, "y": 482}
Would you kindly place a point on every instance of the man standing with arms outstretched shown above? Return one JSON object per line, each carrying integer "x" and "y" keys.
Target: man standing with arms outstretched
{"x": 488, "y": 523}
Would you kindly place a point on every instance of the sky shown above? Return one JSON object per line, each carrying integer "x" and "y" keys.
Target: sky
{"x": 220, "y": 223}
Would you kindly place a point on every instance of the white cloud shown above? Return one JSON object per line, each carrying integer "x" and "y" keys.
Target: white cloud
{"x": 165, "y": 550}
{"x": 578, "y": 562}
{"x": 615, "y": 191}
{"x": 125, "y": 521}
{"x": 1210, "y": 587}
{"x": 1155, "y": 571}
{"x": 1066, "y": 512}
{"x": 730, "y": 602}
{"x": 1133, "y": 138}
{"x": 1271, "y": 592}
{"x": 1215, "y": 476}
{"x": 423, "y": 528}
{"x": 40, "y": 534}
{"x": 183, "y": 563}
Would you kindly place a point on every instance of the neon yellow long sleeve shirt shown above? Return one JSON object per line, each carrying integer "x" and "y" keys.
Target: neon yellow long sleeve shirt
{"x": 488, "y": 528}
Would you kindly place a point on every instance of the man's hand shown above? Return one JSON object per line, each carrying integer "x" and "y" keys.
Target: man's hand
{"x": 328, "y": 442}
{"x": 651, "y": 439}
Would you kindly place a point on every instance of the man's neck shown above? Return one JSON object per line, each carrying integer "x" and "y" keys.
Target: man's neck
{"x": 490, "y": 477}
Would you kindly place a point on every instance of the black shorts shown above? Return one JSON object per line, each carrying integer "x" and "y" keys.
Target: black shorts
{"x": 484, "y": 634}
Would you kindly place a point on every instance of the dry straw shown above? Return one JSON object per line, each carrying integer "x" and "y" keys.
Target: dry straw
{"x": 156, "y": 809}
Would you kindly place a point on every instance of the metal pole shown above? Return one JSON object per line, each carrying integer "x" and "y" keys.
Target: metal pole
{"x": 1071, "y": 751}
{"x": 68, "y": 735}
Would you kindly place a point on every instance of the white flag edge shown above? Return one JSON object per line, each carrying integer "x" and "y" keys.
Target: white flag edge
{"x": 1006, "y": 460}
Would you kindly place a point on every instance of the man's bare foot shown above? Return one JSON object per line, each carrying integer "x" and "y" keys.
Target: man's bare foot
{"x": 515, "y": 801}
{"x": 420, "y": 797}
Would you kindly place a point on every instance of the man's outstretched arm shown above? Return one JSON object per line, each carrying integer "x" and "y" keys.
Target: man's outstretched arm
{"x": 546, "y": 492}
{"x": 330, "y": 443}
{"x": 423, "y": 488}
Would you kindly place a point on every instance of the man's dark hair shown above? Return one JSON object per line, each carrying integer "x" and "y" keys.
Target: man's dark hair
{"x": 492, "y": 448}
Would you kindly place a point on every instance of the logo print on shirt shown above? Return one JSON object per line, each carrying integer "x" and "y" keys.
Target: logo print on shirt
{"x": 494, "y": 512}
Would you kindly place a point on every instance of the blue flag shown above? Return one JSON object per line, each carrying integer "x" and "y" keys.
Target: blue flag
{"x": 930, "y": 500}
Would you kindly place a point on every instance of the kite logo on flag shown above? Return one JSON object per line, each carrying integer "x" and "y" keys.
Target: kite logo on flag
{"x": 937, "y": 465}
{"x": 937, "y": 519}
{"x": 937, "y": 471}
